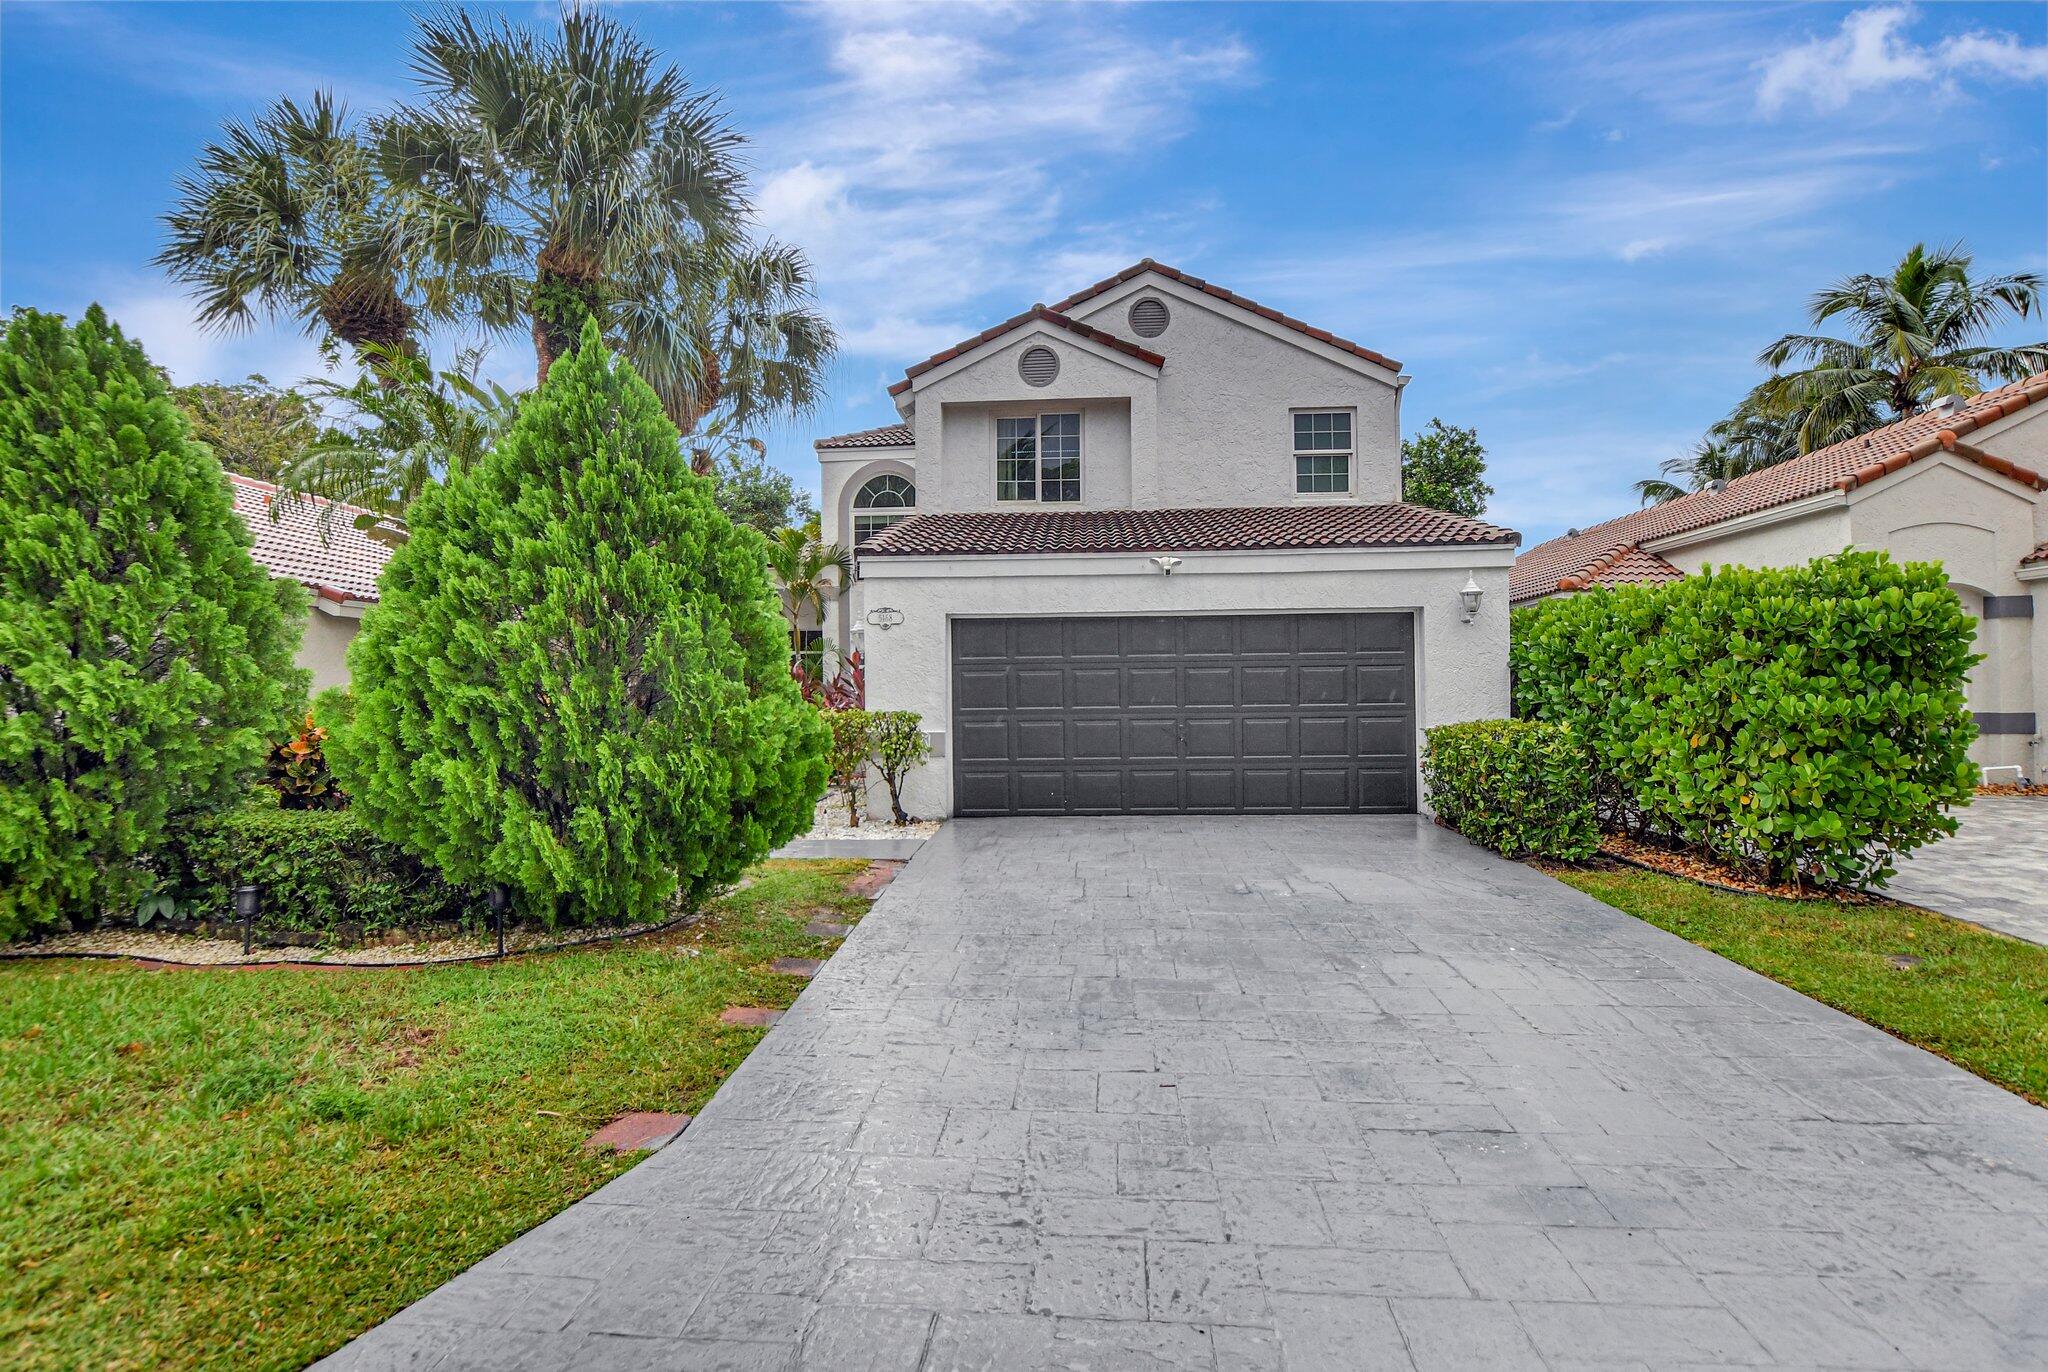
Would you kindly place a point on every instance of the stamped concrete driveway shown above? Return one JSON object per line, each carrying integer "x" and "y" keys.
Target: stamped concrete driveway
{"x": 1992, "y": 871}
{"x": 1316, "y": 1093}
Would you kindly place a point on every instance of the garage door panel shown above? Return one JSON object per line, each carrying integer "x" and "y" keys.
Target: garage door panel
{"x": 1152, "y": 739}
{"x": 1151, "y": 686}
{"x": 1209, "y": 737}
{"x": 1161, "y": 714}
{"x": 1210, "y": 685}
{"x": 1097, "y": 740}
{"x": 1266, "y": 685}
{"x": 1096, "y": 686}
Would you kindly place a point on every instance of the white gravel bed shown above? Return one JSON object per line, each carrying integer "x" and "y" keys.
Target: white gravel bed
{"x": 829, "y": 821}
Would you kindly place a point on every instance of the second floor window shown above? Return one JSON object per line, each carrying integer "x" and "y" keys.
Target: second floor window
{"x": 1322, "y": 452}
{"x": 883, "y": 501}
{"x": 1039, "y": 458}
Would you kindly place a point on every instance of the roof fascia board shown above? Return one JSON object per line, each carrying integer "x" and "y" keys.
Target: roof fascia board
{"x": 1755, "y": 519}
{"x": 2034, "y": 571}
{"x": 1152, "y": 281}
{"x": 1028, "y": 329}
{"x": 1234, "y": 561}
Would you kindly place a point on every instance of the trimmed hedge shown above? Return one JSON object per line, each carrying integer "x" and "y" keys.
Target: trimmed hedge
{"x": 1809, "y": 721}
{"x": 322, "y": 872}
{"x": 1519, "y": 787}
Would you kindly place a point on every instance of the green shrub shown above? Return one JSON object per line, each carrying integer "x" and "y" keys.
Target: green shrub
{"x": 297, "y": 770}
{"x": 144, "y": 659}
{"x": 896, "y": 743}
{"x": 576, "y": 681}
{"x": 322, "y": 872}
{"x": 853, "y": 735}
{"x": 1516, "y": 786}
{"x": 1809, "y": 721}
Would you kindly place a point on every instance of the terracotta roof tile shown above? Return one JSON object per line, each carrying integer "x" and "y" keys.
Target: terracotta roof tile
{"x": 1839, "y": 466}
{"x": 1625, "y": 566}
{"x": 1036, "y": 312}
{"x": 2039, "y": 554}
{"x": 328, "y": 554}
{"x": 888, "y": 436}
{"x": 1187, "y": 530}
{"x": 1262, "y": 311}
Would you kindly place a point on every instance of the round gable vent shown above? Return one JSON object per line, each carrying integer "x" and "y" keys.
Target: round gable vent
{"x": 1149, "y": 317}
{"x": 1038, "y": 366}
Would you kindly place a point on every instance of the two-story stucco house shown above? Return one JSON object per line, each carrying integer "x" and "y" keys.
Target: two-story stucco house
{"x": 1961, "y": 484}
{"x": 1143, "y": 551}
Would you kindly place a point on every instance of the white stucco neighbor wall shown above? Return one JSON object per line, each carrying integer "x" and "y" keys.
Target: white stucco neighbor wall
{"x": 1226, "y": 395}
{"x": 1783, "y": 543}
{"x": 1461, "y": 669}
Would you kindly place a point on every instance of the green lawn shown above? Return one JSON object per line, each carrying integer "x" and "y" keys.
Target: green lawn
{"x": 1978, "y": 999}
{"x": 213, "y": 1169}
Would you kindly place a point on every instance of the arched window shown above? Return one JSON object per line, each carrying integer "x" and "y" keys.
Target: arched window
{"x": 882, "y": 501}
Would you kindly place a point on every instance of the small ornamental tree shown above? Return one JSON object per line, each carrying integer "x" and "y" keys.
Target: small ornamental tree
{"x": 144, "y": 659}
{"x": 576, "y": 681}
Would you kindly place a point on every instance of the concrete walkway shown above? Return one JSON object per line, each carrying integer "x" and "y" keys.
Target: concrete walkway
{"x": 1992, "y": 871}
{"x": 1302, "y": 1093}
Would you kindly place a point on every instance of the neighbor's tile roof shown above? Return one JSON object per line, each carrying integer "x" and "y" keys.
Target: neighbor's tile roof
{"x": 1054, "y": 317}
{"x": 324, "y": 551}
{"x": 888, "y": 436}
{"x": 1629, "y": 566}
{"x": 1263, "y": 311}
{"x": 1185, "y": 530}
{"x": 1839, "y": 466}
{"x": 2039, "y": 554}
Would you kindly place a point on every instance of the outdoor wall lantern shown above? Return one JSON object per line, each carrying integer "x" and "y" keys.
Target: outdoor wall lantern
{"x": 500, "y": 900}
{"x": 885, "y": 617}
{"x": 248, "y": 905}
{"x": 1470, "y": 595}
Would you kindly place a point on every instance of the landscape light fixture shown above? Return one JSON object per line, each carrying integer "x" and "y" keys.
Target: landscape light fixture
{"x": 499, "y": 899}
{"x": 248, "y": 905}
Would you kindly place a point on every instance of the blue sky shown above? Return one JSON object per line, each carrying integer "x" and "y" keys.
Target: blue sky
{"x": 1575, "y": 226}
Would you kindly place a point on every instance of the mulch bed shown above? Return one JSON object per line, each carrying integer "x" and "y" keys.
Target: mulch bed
{"x": 1707, "y": 872}
{"x": 2007, "y": 789}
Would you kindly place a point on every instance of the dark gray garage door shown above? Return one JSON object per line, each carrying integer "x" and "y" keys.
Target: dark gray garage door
{"x": 1227, "y": 714}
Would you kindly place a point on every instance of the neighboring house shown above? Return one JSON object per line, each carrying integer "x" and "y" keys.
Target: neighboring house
{"x": 303, "y": 540}
{"x": 1961, "y": 484}
{"x": 1143, "y": 551}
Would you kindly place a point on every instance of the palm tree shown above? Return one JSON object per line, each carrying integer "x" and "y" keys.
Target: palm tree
{"x": 407, "y": 427}
{"x": 1914, "y": 338}
{"x": 604, "y": 184}
{"x": 807, "y": 573}
{"x": 291, "y": 216}
{"x": 1744, "y": 442}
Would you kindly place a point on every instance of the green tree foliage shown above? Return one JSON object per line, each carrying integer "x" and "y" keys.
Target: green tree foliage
{"x": 576, "y": 681}
{"x": 1809, "y": 721}
{"x": 749, "y": 490}
{"x": 144, "y": 659}
{"x": 807, "y": 575}
{"x": 1740, "y": 444}
{"x": 1915, "y": 334}
{"x": 1517, "y": 786}
{"x": 604, "y": 186}
{"x": 1444, "y": 468}
{"x": 253, "y": 427}
{"x": 853, "y": 740}
{"x": 896, "y": 744}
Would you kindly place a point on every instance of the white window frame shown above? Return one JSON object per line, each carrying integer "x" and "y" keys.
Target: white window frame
{"x": 1037, "y": 419}
{"x": 1349, "y": 454}
{"x": 895, "y": 514}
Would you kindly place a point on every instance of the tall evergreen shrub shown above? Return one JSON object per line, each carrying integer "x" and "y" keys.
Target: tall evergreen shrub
{"x": 144, "y": 659}
{"x": 1808, "y": 720}
{"x": 576, "y": 681}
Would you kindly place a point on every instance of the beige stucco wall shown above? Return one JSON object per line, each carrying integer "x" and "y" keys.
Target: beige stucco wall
{"x": 1461, "y": 669}
{"x": 323, "y": 650}
{"x": 1226, "y": 395}
{"x": 1786, "y": 543}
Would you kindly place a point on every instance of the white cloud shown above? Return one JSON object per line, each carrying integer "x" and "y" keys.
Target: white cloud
{"x": 1871, "y": 52}
{"x": 936, "y": 168}
{"x": 162, "y": 322}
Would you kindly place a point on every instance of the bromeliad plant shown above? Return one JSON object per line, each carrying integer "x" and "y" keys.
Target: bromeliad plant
{"x": 1808, "y": 721}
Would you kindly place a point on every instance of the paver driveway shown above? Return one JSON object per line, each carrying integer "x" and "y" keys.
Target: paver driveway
{"x": 1308, "y": 1093}
{"x": 1992, "y": 871}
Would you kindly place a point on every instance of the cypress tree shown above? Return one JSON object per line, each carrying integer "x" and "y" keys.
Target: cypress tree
{"x": 144, "y": 658}
{"x": 576, "y": 681}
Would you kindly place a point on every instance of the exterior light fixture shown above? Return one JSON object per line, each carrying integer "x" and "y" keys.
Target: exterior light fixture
{"x": 500, "y": 900}
{"x": 1470, "y": 596}
{"x": 248, "y": 905}
{"x": 1166, "y": 563}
